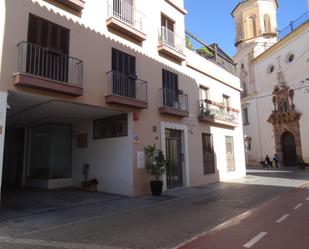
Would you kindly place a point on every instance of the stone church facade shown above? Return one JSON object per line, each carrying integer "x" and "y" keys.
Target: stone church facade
{"x": 273, "y": 68}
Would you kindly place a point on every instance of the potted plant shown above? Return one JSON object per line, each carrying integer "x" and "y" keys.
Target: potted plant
{"x": 90, "y": 185}
{"x": 155, "y": 166}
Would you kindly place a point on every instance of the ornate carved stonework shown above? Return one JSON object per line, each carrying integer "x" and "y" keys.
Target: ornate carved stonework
{"x": 285, "y": 120}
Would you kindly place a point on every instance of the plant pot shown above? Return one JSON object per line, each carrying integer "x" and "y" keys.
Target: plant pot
{"x": 156, "y": 187}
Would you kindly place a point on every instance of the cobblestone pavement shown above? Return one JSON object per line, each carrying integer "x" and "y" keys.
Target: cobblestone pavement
{"x": 147, "y": 222}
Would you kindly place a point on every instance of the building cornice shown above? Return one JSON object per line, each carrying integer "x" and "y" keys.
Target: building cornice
{"x": 181, "y": 10}
{"x": 245, "y": 1}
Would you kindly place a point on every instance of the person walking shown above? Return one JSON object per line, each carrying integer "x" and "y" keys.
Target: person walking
{"x": 276, "y": 160}
{"x": 267, "y": 162}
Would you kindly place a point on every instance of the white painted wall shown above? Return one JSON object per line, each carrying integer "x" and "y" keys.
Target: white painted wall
{"x": 110, "y": 160}
{"x": 3, "y": 101}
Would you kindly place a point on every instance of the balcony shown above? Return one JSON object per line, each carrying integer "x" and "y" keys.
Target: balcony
{"x": 77, "y": 5}
{"x": 173, "y": 103}
{"x": 171, "y": 45}
{"x": 126, "y": 90}
{"x": 43, "y": 68}
{"x": 126, "y": 19}
{"x": 215, "y": 113}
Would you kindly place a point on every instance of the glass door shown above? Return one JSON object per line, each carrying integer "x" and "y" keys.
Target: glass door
{"x": 174, "y": 158}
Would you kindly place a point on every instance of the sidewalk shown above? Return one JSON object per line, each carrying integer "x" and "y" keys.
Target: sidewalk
{"x": 147, "y": 222}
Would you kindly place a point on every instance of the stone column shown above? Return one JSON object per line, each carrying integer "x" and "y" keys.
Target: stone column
{"x": 3, "y": 107}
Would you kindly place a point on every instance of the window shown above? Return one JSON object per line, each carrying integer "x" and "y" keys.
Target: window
{"x": 203, "y": 93}
{"x": 244, "y": 88}
{"x": 167, "y": 31}
{"x": 240, "y": 30}
{"x": 124, "y": 77}
{"x": 245, "y": 116}
{"x": 48, "y": 43}
{"x": 208, "y": 154}
{"x": 252, "y": 26}
{"x": 267, "y": 24}
{"x": 270, "y": 68}
{"x": 48, "y": 35}
{"x": 167, "y": 23}
{"x": 290, "y": 57}
{"x": 170, "y": 88}
{"x": 248, "y": 143}
{"x": 226, "y": 100}
{"x": 115, "y": 126}
{"x": 229, "y": 144}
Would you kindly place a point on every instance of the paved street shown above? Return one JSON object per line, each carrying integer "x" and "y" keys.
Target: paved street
{"x": 282, "y": 223}
{"x": 244, "y": 208}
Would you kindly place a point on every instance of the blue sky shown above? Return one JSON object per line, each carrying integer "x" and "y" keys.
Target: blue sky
{"x": 211, "y": 21}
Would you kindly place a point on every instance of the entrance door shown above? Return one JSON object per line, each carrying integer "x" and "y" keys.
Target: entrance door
{"x": 229, "y": 144}
{"x": 124, "y": 77}
{"x": 47, "y": 50}
{"x": 289, "y": 149}
{"x": 170, "y": 88}
{"x": 174, "y": 158}
{"x": 208, "y": 154}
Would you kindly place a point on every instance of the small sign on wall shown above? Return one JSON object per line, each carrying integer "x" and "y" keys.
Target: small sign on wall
{"x": 82, "y": 141}
{"x": 137, "y": 138}
{"x": 140, "y": 160}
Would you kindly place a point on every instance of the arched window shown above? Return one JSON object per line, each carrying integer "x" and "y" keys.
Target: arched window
{"x": 267, "y": 24}
{"x": 240, "y": 31}
{"x": 252, "y": 26}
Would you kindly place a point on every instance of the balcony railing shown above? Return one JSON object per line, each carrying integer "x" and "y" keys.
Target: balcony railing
{"x": 169, "y": 38}
{"x": 126, "y": 90}
{"x": 49, "y": 64}
{"x": 217, "y": 112}
{"x": 125, "y": 13}
{"x": 173, "y": 102}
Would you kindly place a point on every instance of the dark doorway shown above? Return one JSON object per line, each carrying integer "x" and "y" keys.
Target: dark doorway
{"x": 288, "y": 149}
{"x": 13, "y": 158}
{"x": 174, "y": 157}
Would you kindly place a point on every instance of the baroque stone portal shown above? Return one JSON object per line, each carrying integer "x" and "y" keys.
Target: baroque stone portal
{"x": 285, "y": 121}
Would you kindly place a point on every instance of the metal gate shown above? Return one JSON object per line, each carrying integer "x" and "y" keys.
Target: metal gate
{"x": 174, "y": 173}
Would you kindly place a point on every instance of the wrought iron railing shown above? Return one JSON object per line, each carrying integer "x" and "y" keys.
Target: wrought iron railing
{"x": 170, "y": 39}
{"x": 47, "y": 63}
{"x": 212, "y": 53}
{"x": 126, "y": 13}
{"x": 218, "y": 112}
{"x": 175, "y": 99}
{"x": 126, "y": 86}
{"x": 293, "y": 25}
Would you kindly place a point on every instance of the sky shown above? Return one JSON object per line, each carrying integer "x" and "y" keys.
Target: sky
{"x": 211, "y": 21}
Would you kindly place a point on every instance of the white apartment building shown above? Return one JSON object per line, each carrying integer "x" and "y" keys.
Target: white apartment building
{"x": 96, "y": 81}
